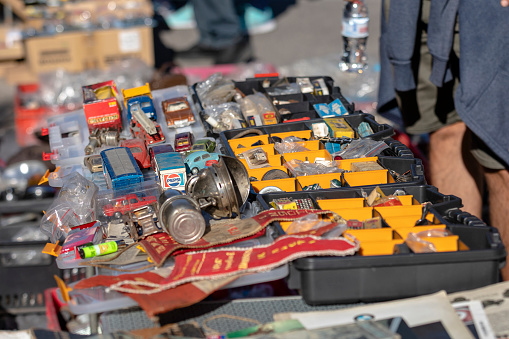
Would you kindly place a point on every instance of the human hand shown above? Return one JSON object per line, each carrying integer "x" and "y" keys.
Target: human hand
{"x": 504, "y": 3}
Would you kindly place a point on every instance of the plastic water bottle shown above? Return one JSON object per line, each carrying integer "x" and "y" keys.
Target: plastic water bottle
{"x": 355, "y": 35}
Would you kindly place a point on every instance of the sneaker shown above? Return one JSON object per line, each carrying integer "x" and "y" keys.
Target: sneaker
{"x": 182, "y": 18}
{"x": 259, "y": 21}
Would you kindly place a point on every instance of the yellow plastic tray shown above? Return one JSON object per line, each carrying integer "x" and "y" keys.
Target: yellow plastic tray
{"x": 346, "y": 164}
{"x": 287, "y": 185}
{"x": 379, "y": 247}
{"x": 248, "y": 141}
{"x": 327, "y": 204}
{"x": 323, "y": 179}
{"x": 379, "y": 177}
{"x": 259, "y": 172}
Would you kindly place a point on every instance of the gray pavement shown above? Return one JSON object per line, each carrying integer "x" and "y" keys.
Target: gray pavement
{"x": 306, "y": 30}
{"x": 307, "y": 41}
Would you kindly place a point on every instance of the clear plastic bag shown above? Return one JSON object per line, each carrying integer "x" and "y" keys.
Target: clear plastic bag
{"x": 306, "y": 223}
{"x": 290, "y": 144}
{"x": 419, "y": 245}
{"x": 362, "y": 148}
{"x": 74, "y": 205}
{"x": 215, "y": 90}
{"x": 224, "y": 117}
{"x": 301, "y": 168}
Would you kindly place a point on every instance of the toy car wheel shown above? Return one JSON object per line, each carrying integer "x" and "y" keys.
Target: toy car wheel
{"x": 194, "y": 171}
{"x": 117, "y": 215}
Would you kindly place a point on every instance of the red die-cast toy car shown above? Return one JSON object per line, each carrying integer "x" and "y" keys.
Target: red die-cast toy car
{"x": 183, "y": 142}
{"x": 126, "y": 204}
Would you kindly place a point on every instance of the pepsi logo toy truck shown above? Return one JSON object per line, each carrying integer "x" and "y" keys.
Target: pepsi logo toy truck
{"x": 170, "y": 169}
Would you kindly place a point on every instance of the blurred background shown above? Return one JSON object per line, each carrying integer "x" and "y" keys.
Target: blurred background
{"x": 50, "y": 48}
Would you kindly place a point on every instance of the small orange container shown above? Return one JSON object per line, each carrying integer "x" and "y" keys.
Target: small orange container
{"x": 287, "y": 185}
{"x": 354, "y": 179}
{"x": 327, "y": 204}
{"x": 346, "y": 164}
{"x": 259, "y": 172}
{"x": 379, "y": 247}
{"x": 324, "y": 180}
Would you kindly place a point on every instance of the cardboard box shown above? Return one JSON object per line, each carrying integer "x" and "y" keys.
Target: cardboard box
{"x": 11, "y": 45}
{"x": 19, "y": 74}
{"x": 115, "y": 45}
{"x": 68, "y": 51}
{"x": 102, "y": 111}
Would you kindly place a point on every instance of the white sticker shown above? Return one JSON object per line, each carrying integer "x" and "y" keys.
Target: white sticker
{"x": 129, "y": 41}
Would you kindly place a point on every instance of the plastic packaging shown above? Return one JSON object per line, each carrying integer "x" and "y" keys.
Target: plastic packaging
{"x": 224, "y": 117}
{"x": 215, "y": 90}
{"x": 74, "y": 205}
{"x": 301, "y": 168}
{"x": 290, "y": 144}
{"x": 418, "y": 245}
{"x": 307, "y": 223}
{"x": 362, "y": 148}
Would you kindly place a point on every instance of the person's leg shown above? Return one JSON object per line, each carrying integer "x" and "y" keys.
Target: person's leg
{"x": 498, "y": 188}
{"x": 497, "y": 181}
{"x": 430, "y": 109}
{"x": 453, "y": 169}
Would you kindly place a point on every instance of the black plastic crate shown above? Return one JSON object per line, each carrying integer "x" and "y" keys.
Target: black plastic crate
{"x": 23, "y": 286}
{"x": 330, "y": 280}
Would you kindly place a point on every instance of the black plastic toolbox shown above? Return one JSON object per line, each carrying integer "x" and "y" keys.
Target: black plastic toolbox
{"x": 442, "y": 206}
{"x": 331, "y": 280}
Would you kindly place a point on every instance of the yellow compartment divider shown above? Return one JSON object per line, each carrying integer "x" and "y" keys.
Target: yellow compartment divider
{"x": 259, "y": 172}
{"x": 269, "y": 149}
{"x": 287, "y": 185}
{"x": 403, "y": 231}
{"x": 327, "y": 204}
{"x": 379, "y": 247}
{"x": 322, "y": 179}
{"x": 407, "y": 200}
{"x": 399, "y": 211}
{"x": 374, "y": 234}
{"x": 346, "y": 164}
{"x": 360, "y": 214}
{"x": 406, "y": 221}
{"x": 248, "y": 141}
{"x": 305, "y": 134}
{"x": 366, "y": 178}
{"x": 444, "y": 244}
